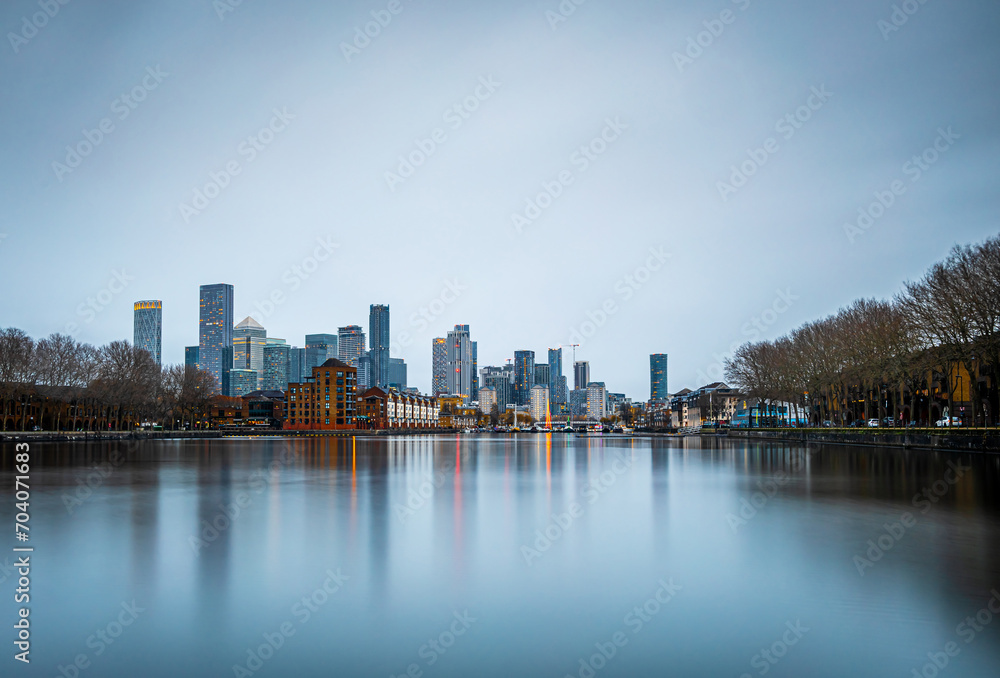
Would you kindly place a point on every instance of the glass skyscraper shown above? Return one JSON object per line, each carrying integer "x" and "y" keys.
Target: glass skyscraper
{"x": 439, "y": 366}
{"x": 351, "y": 344}
{"x": 461, "y": 363}
{"x": 397, "y": 373}
{"x": 215, "y": 330}
{"x": 249, "y": 340}
{"x": 581, "y": 374}
{"x": 378, "y": 336}
{"x": 319, "y": 349}
{"x": 148, "y": 327}
{"x": 276, "y": 361}
{"x": 191, "y": 356}
{"x": 524, "y": 376}
{"x": 658, "y": 377}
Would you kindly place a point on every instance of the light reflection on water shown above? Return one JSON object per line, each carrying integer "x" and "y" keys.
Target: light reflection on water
{"x": 548, "y": 542}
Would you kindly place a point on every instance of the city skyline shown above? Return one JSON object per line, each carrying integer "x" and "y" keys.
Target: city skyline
{"x": 645, "y": 214}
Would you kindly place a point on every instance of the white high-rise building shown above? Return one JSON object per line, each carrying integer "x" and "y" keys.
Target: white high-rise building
{"x": 597, "y": 401}
{"x": 487, "y": 399}
{"x": 538, "y": 405}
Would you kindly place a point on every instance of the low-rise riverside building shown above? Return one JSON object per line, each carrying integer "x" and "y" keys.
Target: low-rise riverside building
{"x": 326, "y": 401}
{"x": 382, "y": 409}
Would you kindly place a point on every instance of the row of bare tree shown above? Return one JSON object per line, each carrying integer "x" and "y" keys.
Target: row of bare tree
{"x": 116, "y": 383}
{"x": 936, "y": 343}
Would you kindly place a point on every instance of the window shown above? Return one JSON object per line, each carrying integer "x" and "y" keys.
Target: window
{"x": 328, "y": 399}
{"x": 327, "y": 422}
{"x": 339, "y": 374}
{"x": 340, "y": 382}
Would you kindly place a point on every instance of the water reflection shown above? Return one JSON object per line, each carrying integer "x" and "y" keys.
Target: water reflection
{"x": 219, "y": 539}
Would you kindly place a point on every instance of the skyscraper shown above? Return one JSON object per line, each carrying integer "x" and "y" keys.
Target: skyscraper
{"x": 397, "y": 373}
{"x": 191, "y": 356}
{"x": 538, "y": 406}
{"x": 501, "y": 380}
{"x": 658, "y": 377}
{"x": 542, "y": 374}
{"x": 558, "y": 396}
{"x": 597, "y": 400}
{"x": 524, "y": 376}
{"x": 460, "y": 367}
{"x": 581, "y": 374}
{"x": 249, "y": 340}
{"x": 319, "y": 349}
{"x": 439, "y": 366}
{"x": 147, "y": 328}
{"x": 215, "y": 330}
{"x": 296, "y": 365}
{"x": 351, "y": 344}
{"x": 276, "y": 359}
{"x": 378, "y": 336}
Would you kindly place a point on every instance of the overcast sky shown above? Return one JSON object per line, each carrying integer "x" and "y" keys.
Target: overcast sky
{"x": 640, "y": 223}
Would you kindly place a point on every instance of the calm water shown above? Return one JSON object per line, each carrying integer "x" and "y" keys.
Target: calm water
{"x": 376, "y": 557}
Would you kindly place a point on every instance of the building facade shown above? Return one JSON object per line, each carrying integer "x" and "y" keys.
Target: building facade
{"x": 242, "y": 382}
{"x": 276, "y": 362}
{"x": 397, "y": 373}
{"x": 381, "y": 409}
{"x": 249, "y": 340}
{"x": 538, "y": 407}
{"x": 501, "y": 380}
{"x": 147, "y": 330}
{"x": 658, "y": 378}
{"x": 487, "y": 399}
{"x": 191, "y": 356}
{"x": 439, "y": 366}
{"x": 597, "y": 401}
{"x": 215, "y": 330}
{"x": 326, "y": 401}
{"x": 378, "y": 337}
{"x": 319, "y": 349}
{"x": 350, "y": 344}
{"x": 461, "y": 363}
{"x": 581, "y": 374}
{"x": 524, "y": 376}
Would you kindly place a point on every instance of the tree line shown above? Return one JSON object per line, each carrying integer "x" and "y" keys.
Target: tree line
{"x": 78, "y": 384}
{"x": 936, "y": 343}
